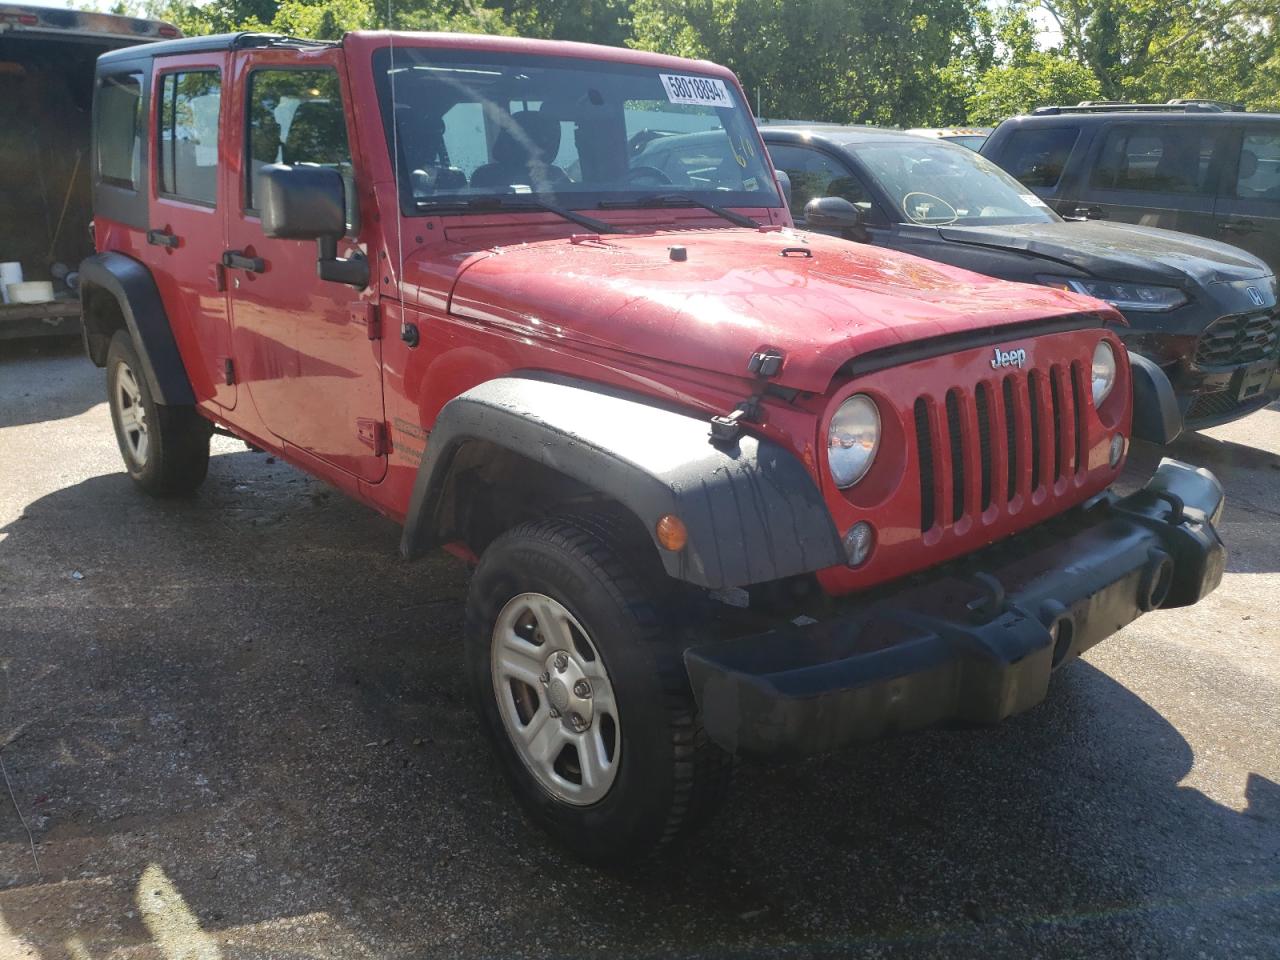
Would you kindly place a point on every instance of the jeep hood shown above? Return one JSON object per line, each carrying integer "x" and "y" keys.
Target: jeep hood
{"x": 1119, "y": 251}
{"x": 819, "y": 300}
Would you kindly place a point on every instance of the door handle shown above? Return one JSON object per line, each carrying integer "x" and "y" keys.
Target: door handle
{"x": 238, "y": 261}
{"x": 1240, "y": 226}
{"x": 162, "y": 238}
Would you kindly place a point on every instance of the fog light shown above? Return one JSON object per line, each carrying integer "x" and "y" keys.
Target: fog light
{"x": 858, "y": 543}
{"x": 1117, "y": 449}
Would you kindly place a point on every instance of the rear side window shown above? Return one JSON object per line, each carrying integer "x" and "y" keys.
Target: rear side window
{"x": 1259, "y": 174}
{"x": 187, "y": 125}
{"x": 1037, "y": 157}
{"x": 120, "y": 130}
{"x": 1159, "y": 158}
{"x": 295, "y": 116}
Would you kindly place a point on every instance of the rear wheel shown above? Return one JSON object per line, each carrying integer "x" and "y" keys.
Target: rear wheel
{"x": 581, "y": 686}
{"x": 165, "y": 448}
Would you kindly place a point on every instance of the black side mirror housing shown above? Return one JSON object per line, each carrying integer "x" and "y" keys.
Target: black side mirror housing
{"x": 784, "y": 181}
{"x": 306, "y": 202}
{"x": 832, "y": 213}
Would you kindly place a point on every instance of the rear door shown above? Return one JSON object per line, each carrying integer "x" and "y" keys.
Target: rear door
{"x": 1156, "y": 174}
{"x": 1249, "y": 210}
{"x": 185, "y": 224}
{"x": 306, "y": 348}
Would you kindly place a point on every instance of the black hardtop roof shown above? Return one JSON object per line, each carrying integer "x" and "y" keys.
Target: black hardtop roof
{"x": 215, "y": 42}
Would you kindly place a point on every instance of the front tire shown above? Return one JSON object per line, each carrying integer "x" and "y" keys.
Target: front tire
{"x": 165, "y": 448}
{"x": 581, "y": 687}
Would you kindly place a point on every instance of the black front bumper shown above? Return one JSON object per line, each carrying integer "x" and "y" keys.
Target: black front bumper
{"x": 976, "y": 644}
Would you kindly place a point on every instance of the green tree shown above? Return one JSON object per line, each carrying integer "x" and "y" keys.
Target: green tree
{"x": 875, "y": 61}
{"x": 1041, "y": 78}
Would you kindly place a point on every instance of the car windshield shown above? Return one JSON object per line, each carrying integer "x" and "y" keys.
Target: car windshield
{"x": 938, "y": 184}
{"x": 474, "y": 126}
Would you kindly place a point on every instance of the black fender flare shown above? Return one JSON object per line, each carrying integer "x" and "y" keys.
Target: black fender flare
{"x": 131, "y": 285}
{"x": 753, "y": 511}
{"x": 1156, "y": 416}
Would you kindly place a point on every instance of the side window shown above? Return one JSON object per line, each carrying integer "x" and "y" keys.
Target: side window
{"x": 815, "y": 174}
{"x": 187, "y": 136}
{"x": 1159, "y": 158}
{"x": 1037, "y": 157}
{"x": 1259, "y": 173}
{"x": 119, "y": 130}
{"x": 295, "y": 116}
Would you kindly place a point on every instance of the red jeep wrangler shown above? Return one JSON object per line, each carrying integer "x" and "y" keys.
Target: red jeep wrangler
{"x": 730, "y": 489}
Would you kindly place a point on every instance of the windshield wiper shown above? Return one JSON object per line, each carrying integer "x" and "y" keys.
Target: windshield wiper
{"x": 680, "y": 200}
{"x": 524, "y": 203}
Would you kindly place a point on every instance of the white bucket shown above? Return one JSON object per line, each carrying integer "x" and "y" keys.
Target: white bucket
{"x": 10, "y": 272}
{"x": 33, "y": 291}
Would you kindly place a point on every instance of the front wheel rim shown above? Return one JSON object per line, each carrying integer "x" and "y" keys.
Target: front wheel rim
{"x": 556, "y": 699}
{"x": 132, "y": 415}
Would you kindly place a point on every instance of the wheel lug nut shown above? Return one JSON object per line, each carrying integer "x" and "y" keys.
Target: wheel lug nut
{"x": 555, "y": 714}
{"x": 562, "y": 661}
{"x": 582, "y": 689}
{"x": 545, "y": 678}
{"x": 577, "y": 721}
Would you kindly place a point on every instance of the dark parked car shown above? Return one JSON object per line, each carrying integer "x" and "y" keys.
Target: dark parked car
{"x": 1194, "y": 167}
{"x": 1206, "y": 312}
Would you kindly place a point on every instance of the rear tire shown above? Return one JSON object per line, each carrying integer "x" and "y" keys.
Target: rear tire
{"x": 165, "y": 448}
{"x": 578, "y": 677}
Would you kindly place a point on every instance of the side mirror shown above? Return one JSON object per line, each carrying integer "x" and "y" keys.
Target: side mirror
{"x": 784, "y": 181}
{"x": 831, "y": 213}
{"x": 306, "y": 202}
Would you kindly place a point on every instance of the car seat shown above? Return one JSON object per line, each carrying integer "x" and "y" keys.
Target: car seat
{"x": 522, "y": 154}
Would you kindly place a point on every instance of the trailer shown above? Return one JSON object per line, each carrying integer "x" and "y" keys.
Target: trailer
{"x": 47, "y": 61}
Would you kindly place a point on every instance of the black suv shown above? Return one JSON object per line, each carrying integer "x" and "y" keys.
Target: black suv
{"x": 1194, "y": 167}
{"x": 1204, "y": 311}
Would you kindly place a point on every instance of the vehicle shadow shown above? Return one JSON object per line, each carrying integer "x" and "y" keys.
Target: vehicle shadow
{"x": 38, "y": 363}
{"x": 242, "y": 731}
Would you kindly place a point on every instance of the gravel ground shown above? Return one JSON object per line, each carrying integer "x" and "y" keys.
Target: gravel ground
{"x": 235, "y": 727}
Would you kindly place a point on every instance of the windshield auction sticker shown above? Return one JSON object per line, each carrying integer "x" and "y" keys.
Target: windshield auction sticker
{"x": 703, "y": 91}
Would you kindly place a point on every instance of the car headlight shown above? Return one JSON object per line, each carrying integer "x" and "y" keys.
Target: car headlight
{"x": 1104, "y": 371}
{"x": 1142, "y": 297}
{"x": 853, "y": 440}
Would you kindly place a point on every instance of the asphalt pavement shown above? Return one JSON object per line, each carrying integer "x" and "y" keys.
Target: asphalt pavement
{"x": 236, "y": 727}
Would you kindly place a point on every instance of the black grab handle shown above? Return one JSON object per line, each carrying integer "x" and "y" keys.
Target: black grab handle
{"x": 162, "y": 238}
{"x": 238, "y": 261}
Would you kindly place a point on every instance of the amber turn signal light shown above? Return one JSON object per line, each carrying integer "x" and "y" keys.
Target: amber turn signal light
{"x": 672, "y": 533}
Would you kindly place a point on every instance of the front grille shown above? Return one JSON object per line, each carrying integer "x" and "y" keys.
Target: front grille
{"x": 1240, "y": 339}
{"x": 978, "y": 452}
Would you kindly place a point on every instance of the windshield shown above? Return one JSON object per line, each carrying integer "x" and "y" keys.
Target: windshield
{"x": 939, "y": 184}
{"x": 577, "y": 133}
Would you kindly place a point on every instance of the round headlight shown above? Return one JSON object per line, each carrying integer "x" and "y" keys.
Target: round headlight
{"x": 1104, "y": 371}
{"x": 853, "y": 440}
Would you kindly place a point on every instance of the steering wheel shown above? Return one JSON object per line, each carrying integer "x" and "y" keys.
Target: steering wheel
{"x": 645, "y": 174}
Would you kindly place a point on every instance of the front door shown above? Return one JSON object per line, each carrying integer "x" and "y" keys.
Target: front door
{"x": 303, "y": 345}
{"x": 185, "y": 219}
{"x": 1157, "y": 175}
{"x": 1249, "y": 212}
